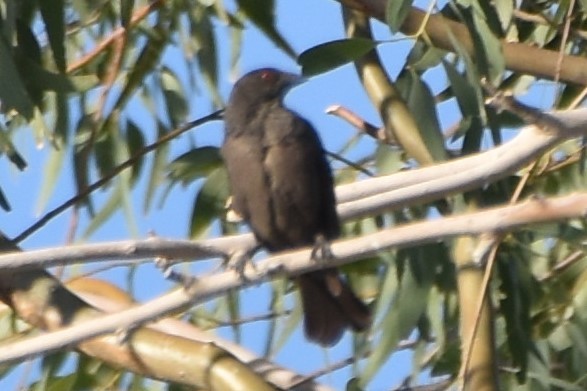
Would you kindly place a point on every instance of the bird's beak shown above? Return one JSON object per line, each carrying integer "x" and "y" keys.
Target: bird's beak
{"x": 292, "y": 80}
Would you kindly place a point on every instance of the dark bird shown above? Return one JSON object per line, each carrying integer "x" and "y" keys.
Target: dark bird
{"x": 281, "y": 184}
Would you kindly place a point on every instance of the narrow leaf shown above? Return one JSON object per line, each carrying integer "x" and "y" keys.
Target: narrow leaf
{"x": 396, "y": 12}
{"x": 12, "y": 89}
{"x": 261, "y": 13}
{"x": 420, "y": 100}
{"x": 209, "y": 204}
{"x": 194, "y": 164}
{"x": 7, "y": 148}
{"x": 126, "y": 8}
{"x": 52, "y": 13}
{"x": 157, "y": 170}
{"x": 4, "y": 204}
{"x": 205, "y": 43}
{"x": 175, "y": 100}
{"x": 330, "y": 55}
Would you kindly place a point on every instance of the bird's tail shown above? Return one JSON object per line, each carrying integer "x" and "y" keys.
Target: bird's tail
{"x": 330, "y": 306}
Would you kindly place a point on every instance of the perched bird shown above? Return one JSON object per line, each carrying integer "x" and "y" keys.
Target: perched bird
{"x": 281, "y": 184}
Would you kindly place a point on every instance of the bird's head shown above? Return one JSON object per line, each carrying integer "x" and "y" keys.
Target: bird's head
{"x": 263, "y": 85}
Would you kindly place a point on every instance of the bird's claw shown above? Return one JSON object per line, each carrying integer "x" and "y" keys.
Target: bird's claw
{"x": 321, "y": 250}
{"x": 185, "y": 280}
{"x": 239, "y": 260}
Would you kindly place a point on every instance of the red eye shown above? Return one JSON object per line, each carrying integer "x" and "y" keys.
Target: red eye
{"x": 268, "y": 75}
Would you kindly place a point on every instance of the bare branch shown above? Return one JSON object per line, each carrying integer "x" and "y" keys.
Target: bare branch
{"x": 498, "y": 220}
{"x": 431, "y": 183}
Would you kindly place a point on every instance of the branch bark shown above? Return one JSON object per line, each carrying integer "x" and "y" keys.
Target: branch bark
{"x": 519, "y": 57}
{"x": 92, "y": 323}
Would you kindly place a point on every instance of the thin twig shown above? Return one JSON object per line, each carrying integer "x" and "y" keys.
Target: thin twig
{"x": 349, "y": 163}
{"x": 115, "y": 171}
{"x": 563, "y": 265}
{"x": 407, "y": 344}
{"x": 378, "y": 133}
{"x": 136, "y": 18}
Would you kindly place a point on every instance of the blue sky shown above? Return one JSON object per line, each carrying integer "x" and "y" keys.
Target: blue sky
{"x": 304, "y": 23}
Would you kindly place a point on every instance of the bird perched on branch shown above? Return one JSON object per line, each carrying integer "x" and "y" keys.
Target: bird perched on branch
{"x": 281, "y": 184}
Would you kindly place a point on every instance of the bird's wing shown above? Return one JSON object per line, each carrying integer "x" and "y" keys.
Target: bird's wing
{"x": 248, "y": 180}
{"x": 301, "y": 187}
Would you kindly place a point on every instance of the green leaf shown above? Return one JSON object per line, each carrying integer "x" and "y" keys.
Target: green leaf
{"x": 174, "y": 96}
{"x": 505, "y": 12}
{"x": 261, "y": 13}
{"x": 515, "y": 306}
{"x": 400, "y": 319}
{"x": 7, "y": 148}
{"x": 554, "y": 383}
{"x": 466, "y": 94}
{"x": 52, "y": 170}
{"x": 105, "y": 146}
{"x": 80, "y": 159}
{"x": 61, "y": 129}
{"x": 45, "y": 80}
{"x": 421, "y": 103}
{"x": 210, "y": 202}
{"x": 423, "y": 57}
{"x": 158, "y": 169}
{"x": 205, "y": 42}
{"x": 194, "y": 164}
{"x": 470, "y": 101}
{"x": 4, "y": 204}
{"x": 485, "y": 40}
{"x": 233, "y": 302}
{"x": 236, "y": 40}
{"x": 281, "y": 327}
{"x": 115, "y": 200}
{"x": 52, "y": 13}
{"x": 136, "y": 143}
{"x": 28, "y": 51}
{"x": 13, "y": 93}
{"x": 126, "y": 8}
{"x": 51, "y": 364}
{"x": 145, "y": 63}
{"x": 330, "y": 55}
{"x": 396, "y": 12}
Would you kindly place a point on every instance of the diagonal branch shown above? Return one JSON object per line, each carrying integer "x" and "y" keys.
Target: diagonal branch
{"x": 494, "y": 220}
{"x": 519, "y": 57}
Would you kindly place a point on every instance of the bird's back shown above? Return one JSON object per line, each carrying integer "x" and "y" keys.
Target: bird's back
{"x": 280, "y": 180}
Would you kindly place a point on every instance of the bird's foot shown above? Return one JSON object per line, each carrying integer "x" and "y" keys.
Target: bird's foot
{"x": 321, "y": 251}
{"x": 185, "y": 280}
{"x": 239, "y": 260}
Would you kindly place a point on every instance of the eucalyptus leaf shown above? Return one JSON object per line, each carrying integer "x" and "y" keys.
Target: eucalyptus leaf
{"x": 13, "y": 93}
{"x": 330, "y": 55}
{"x": 261, "y": 13}
{"x": 396, "y": 12}
{"x": 194, "y": 164}
{"x": 4, "y": 204}
{"x": 54, "y": 18}
{"x": 210, "y": 202}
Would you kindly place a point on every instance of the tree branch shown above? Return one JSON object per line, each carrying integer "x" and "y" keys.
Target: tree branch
{"x": 494, "y": 220}
{"x": 519, "y": 57}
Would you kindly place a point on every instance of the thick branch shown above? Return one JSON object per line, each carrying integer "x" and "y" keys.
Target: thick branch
{"x": 41, "y": 300}
{"x": 519, "y": 57}
{"x": 496, "y": 220}
{"x": 435, "y": 182}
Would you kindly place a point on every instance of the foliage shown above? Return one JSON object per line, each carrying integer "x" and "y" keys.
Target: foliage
{"x": 96, "y": 83}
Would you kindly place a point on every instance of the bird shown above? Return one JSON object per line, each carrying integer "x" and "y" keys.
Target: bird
{"x": 281, "y": 184}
